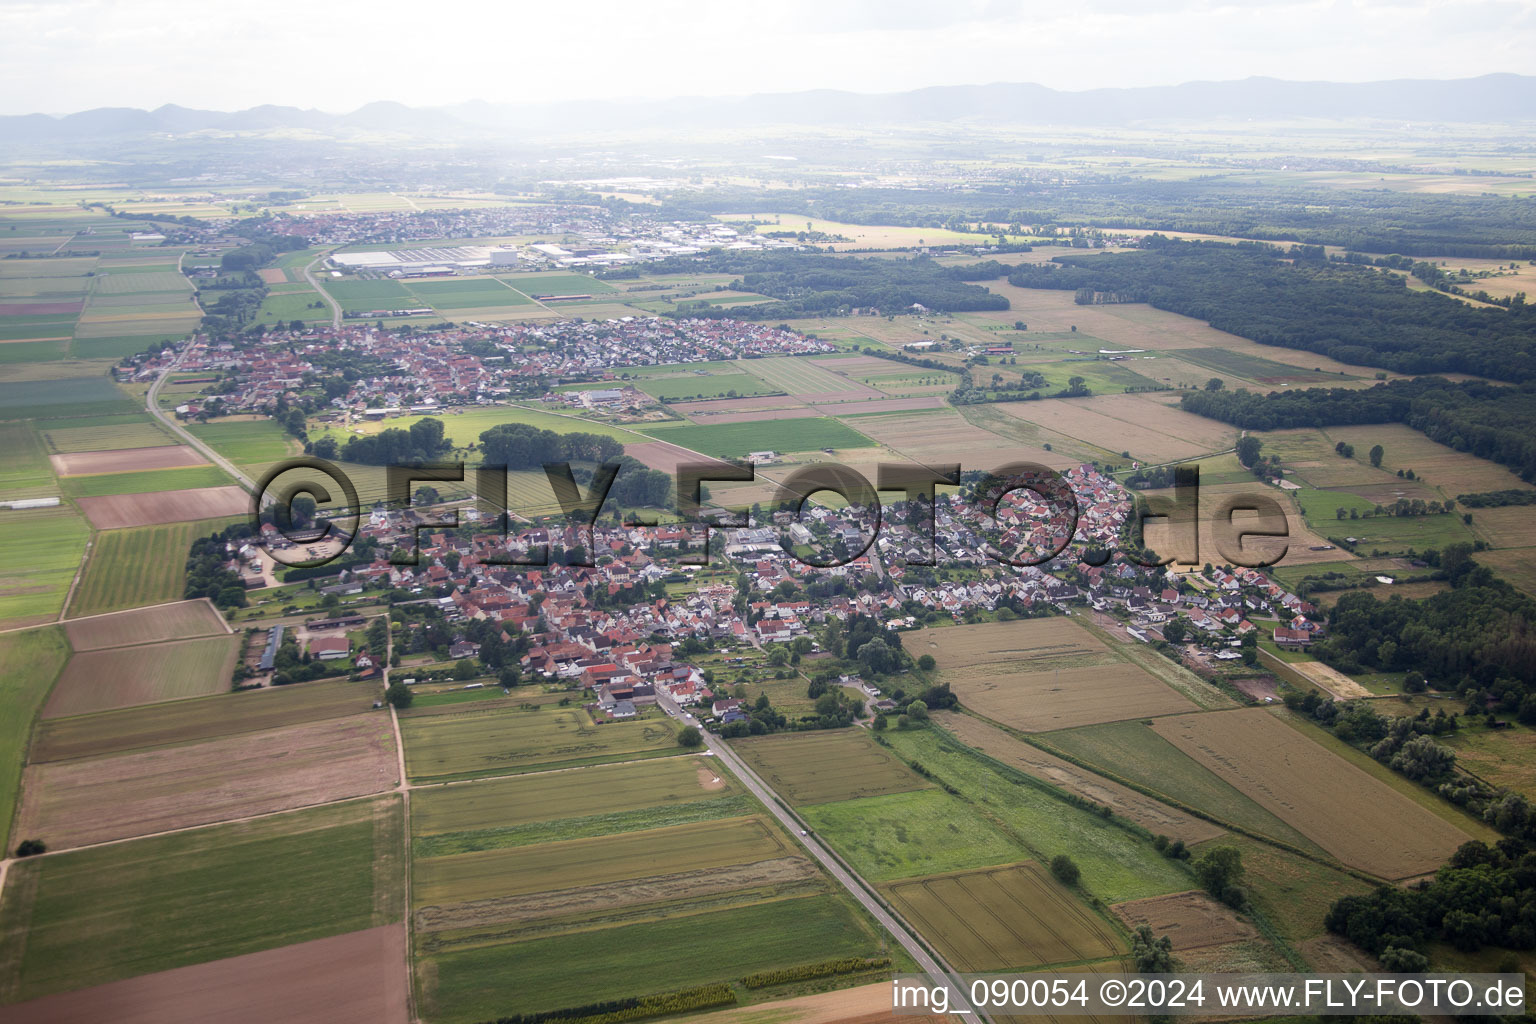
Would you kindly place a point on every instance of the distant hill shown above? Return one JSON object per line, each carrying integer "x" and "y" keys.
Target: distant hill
{"x": 1495, "y": 98}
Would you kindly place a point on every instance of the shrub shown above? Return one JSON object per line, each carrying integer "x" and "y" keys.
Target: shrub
{"x": 31, "y": 847}
{"x": 1066, "y": 872}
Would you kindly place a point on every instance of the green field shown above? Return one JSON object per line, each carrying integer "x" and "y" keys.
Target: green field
{"x": 464, "y": 428}
{"x": 55, "y": 399}
{"x": 1117, "y": 864}
{"x": 144, "y": 481}
{"x": 827, "y": 766}
{"x": 24, "y": 468}
{"x": 467, "y": 293}
{"x": 1293, "y": 893}
{"x": 701, "y": 386}
{"x": 83, "y": 918}
{"x": 1387, "y": 533}
{"x": 106, "y": 433}
{"x": 245, "y": 442}
{"x": 558, "y": 284}
{"x": 643, "y": 958}
{"x": 904, "y": 835}
{"x": 144, "y": 674}
{"x": 471, "y": 743}
{"x": 1133, "y": 752}
{"x": 32, "y": 659}
{"x": 733, "y": 440}
{"x": 40, "y": 550}
{"x": 141, "y": 566}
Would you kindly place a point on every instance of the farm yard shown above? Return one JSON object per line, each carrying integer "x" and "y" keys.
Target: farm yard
{"x": 1365, "y": 824}
{"x": 95, "y": 800}
{"x": 1014, "y": 917}
{"x": 145, "y": 674}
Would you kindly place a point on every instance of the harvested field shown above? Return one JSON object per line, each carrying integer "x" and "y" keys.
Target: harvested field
{"x": 119, "y": 510}
{"x": 940, "y": 437}
{"x": 1150, "y": 814}
{"x": 805, "y": 378}
{"x": 1150, "y": 430}
{"x": 1009, "y": 643}
{"x": 126, "y": 460}
{"x": 474, "y": 743}
{"x": 709, "y": 410}
{"x": 145, "y": 674}
{"x": 1325, "y": 677}
{"x": 521, "y": 870}
{"x": 178, "y": 621}
{"x": 205, "y": 718}
{"x": 355, "y": 978}
{"x": 273, "y": 275}
{"x": 566, "y": 794}
{"x": 883, "y": 405}
{"x": 1364, "y": 823}
{"x": 94, "y": 800}
{"x": 661, "y": 456}
{"x": 820, "y": 767}
{"x": 1298, "y": 545}
{"x": 1191, "y": 919}
{"x": 1002, "y": 918}
{"x": 862, "y": 1004}
{"x": 1436, "y": 464}
{"x": 1070, "y": 697}
{"x": 754, "y": 415}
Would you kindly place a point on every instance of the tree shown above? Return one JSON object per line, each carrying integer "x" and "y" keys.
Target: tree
{"x": 778, "y": 657}
{"x": 465, "y": 668}
{"x": 689, "y": 737}
{"x": 875, "y": 657}
{"x": 1153, "y": 955}
{"x": 1215, "y": 384}
{"x": 399, "y": 695}
{"x": 1174, "y": 630}
{"x": 1248, "y": 450}
{"x": 31, "y": 847}
{"x": 1219, "y": 871}
{"x": 917, "y": 711}
{"x": 881, "y": 723}
{"x": 926, "y": 663}
{"x": 1376, "y": 453}
{"x": 1398, "y": 960}
{"x": 1064, "y": 869}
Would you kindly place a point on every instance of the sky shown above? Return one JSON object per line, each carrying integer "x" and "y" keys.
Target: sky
{"x": 66, "y": 55}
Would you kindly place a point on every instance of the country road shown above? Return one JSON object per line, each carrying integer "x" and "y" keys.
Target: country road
{"x": 152, "y": 406}
{"x": 856, "y": 886}
{"x": 309, "y": 275}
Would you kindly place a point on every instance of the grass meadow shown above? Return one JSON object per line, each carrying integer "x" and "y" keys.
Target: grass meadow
{"x": 32, "y": 659}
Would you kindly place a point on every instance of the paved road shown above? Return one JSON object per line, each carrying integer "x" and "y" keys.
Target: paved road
{"x": 152, "y": 406}
{"x": 309, "y": 275}
{"x": 856, "y": 886}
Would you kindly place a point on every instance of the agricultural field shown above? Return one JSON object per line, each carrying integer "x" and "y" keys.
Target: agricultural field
{"x": 125, "y": 460}
{"x": 823, "y": 767}
{"x": 186, "y": 481}
{"x": 734, "y": 440}
{"x": 1066, "y": 698}
{"x": 903, "y": 835}
{"x": 1004, "y": 918}
{"x": 127, "y": 568}
{"x": 346, "y": 979}
{"x": 695, "y": 387}
{"x": 470, "y": 743}
{"x": 1365, "y": 824}
{"x": 78, "y": 919}
{"x": 180, "y": 620}
{"x": 96, "y": 800}
{"x": 62, "y": 399}
{"x": 246, "y": 442}
{"x": 119, "y": 511}
{"x": 1151, "y": 430}
{"x": 808, "y": 379}
{"x": 24, "y": 467}
{"x": 198, "y": 719}
{"x": 1052, "y": 641}
{"x": 144, "y": 674}
{"x": 1117, "y": 863}
{"x": 40, "y": 551}
{"x": 33, "y": 659}
{"x": 1154, "y": 816}
{"x": 1135, "y": 753}
{"x": 1191, "y": 919}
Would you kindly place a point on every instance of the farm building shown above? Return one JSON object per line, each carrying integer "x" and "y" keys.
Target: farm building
{"x": 274, "y": 641}
{"x": 327, "y": 649}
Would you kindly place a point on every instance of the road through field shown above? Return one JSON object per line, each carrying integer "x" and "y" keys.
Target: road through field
{"x": 152, "y": 406}
{"x": 857, "y": 887}
{"x": 309, "y": 275}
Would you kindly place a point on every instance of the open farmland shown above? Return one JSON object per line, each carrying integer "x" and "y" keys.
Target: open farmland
{"x": 821, "y": 767}
{"x": 574, "y": 793}
{"x": 127, "y": 568}
{"x": 1301, "y": 546}
{"x": 112, "y": 512}
{"x": 698, "y": 387}
{"x": 24, "y": 468}
{"x": 203, "y": 718}
{"x": 1069, "y": 697}
{"x": 94, "y": 800}
{"x": 902, "y": 835}
{"x": 809, "y": 380}
{"x": 734, "y": 440}
{"x": 145, "y": 674}
{"x": 40, "y": 552}
{"x": 1011, "y": 917}
{"x": 1154, "y": 816}
{"x": 1150, "y": 430}
{"x": 33, "y": 659}
{"x": 78, "y": 919}
{"x": 1043, "y": 641}
{"x": 1191, "y": 919}
{"x": 1362, "y": 822}
{"x": 547, "y": 867}
{"x": 180, "y": 620}
{"x": 126, "y": 460}
{"x": 479, "y": 743}
{"x": 346, "y": 979}
{"x": 939, "y": 437}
